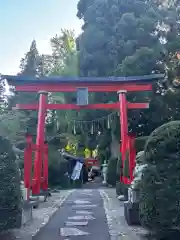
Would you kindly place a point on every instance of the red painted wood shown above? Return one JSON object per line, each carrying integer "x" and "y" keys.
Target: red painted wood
{"x": 132, "y": 157}
{"x": 34, "y": 184}
{"x": 39, "y": 143}
{"x": 123, "y": 127}
{"x": 91, "y": 87}
{"x": 45, "y": 168}
{"x": 28, "y": 162}
{"x": 75, "y": 107}
{"x": 137, "y": 105}
{"x": 40, "y": 149}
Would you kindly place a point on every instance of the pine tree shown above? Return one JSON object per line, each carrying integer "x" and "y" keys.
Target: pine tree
{"x": 29, "y": 67}
{"x": 29, "y": 64}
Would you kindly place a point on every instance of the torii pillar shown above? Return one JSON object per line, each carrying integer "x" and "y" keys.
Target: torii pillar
{"x": 123, "y": 126}
{"x": 40, "y": 138}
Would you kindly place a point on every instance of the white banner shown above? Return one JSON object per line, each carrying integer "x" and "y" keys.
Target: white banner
{"x": 77, "y": 171}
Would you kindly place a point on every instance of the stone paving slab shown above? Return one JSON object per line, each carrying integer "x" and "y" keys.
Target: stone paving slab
{"x": 82, "y": 216}
{"x": 99, "y": 207}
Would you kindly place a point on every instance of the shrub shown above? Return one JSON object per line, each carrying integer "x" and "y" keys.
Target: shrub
{"x": 160, "y": 184}
{"x": 121, "y": 188}
{"x": 119, "y": 185}
{"x": 140, "y": 143}
{"x": 10, "y": 193}
{"x": 111, "y": 171}
{"x": 119, "y": 168}
{"x": 126, "y": 166}
{"x": 58, "y": 169}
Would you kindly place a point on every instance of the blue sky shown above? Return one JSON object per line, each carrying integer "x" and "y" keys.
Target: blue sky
{"x": 25, "y": 20}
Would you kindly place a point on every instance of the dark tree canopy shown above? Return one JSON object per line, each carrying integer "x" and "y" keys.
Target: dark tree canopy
{"x": 133, "y": 37}
{"x": 119, "y": 38}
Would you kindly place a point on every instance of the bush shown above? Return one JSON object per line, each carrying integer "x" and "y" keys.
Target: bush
{"x": 119, "y": 185}
{"x": 140, "y": 143}
{"x": 10, "y": 192}
{"x": 119, "y": 168}
{"x": 111, "y": 171}
{"x": 58, "y": 169}
{"x": 121, "y": 188}
{"x": 126, "y": 166}
{"x": 160, "y": 184}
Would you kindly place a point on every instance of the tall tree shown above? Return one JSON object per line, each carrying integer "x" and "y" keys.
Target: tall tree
{"x": 125, "y": 38}
{"x": 119, "y": 38}
{"x": 65, "y": 54}
{"x": 29, "y": 66}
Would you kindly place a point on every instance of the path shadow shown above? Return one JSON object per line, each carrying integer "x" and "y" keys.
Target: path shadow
{"x": 95, "y": 184}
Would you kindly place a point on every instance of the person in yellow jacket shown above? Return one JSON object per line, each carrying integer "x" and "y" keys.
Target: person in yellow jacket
{"x": 87, "y": 153}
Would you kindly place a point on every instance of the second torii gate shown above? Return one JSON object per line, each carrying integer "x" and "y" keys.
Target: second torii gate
{"x": 43, "y": 85}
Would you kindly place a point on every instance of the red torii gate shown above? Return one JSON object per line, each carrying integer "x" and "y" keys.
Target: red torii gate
{"x": 43, "y": 85}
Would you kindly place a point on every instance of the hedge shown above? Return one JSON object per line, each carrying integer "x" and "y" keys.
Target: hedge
{"x": 10, "y": 192}
{"x": 140, "y": 143}
{"x": 160, "y": 184}
{"x": 111, "y": 171}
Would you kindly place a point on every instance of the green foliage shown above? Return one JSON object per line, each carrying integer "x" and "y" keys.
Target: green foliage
{"x": 111, "y": 171}
{"x": 163, "y": 140}
{"x": 64, "y": 54}
{"x": 58, "y": 169}
{"x": 65, "y": 63}
{"x": 10, "y": 193}
{"x": 119, "y": 168}
{"x": 123, "y": 44}
{"x": 13, "y": 125}
{"x": 105, "y": 140}
{"x": 160, "y": 185}
{"x": 121, "y": 32}
{"x": 120, "y": 187}
{"x": 140, "y": 143}
{"x": 119, "y": 172}
{"x": 29, "y": 66}
{"x": 126, "y": 166}
{"x": 127, "y": 40}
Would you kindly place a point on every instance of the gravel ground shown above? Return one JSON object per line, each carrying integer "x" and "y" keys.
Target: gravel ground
{"x": 118, "y": 228}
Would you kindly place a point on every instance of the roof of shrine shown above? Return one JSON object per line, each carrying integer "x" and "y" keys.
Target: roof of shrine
{"x": 28, "y": 80}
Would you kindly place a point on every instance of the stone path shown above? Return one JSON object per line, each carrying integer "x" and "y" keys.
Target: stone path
{"x": 82, "y": 216}
{"x": 41, "y": 216}
{"x": 90, "y": 214}
{"x": 87, "y": 214}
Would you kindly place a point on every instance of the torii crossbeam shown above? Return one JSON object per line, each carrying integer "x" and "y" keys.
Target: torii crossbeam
{"x": 43, "y": 85}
